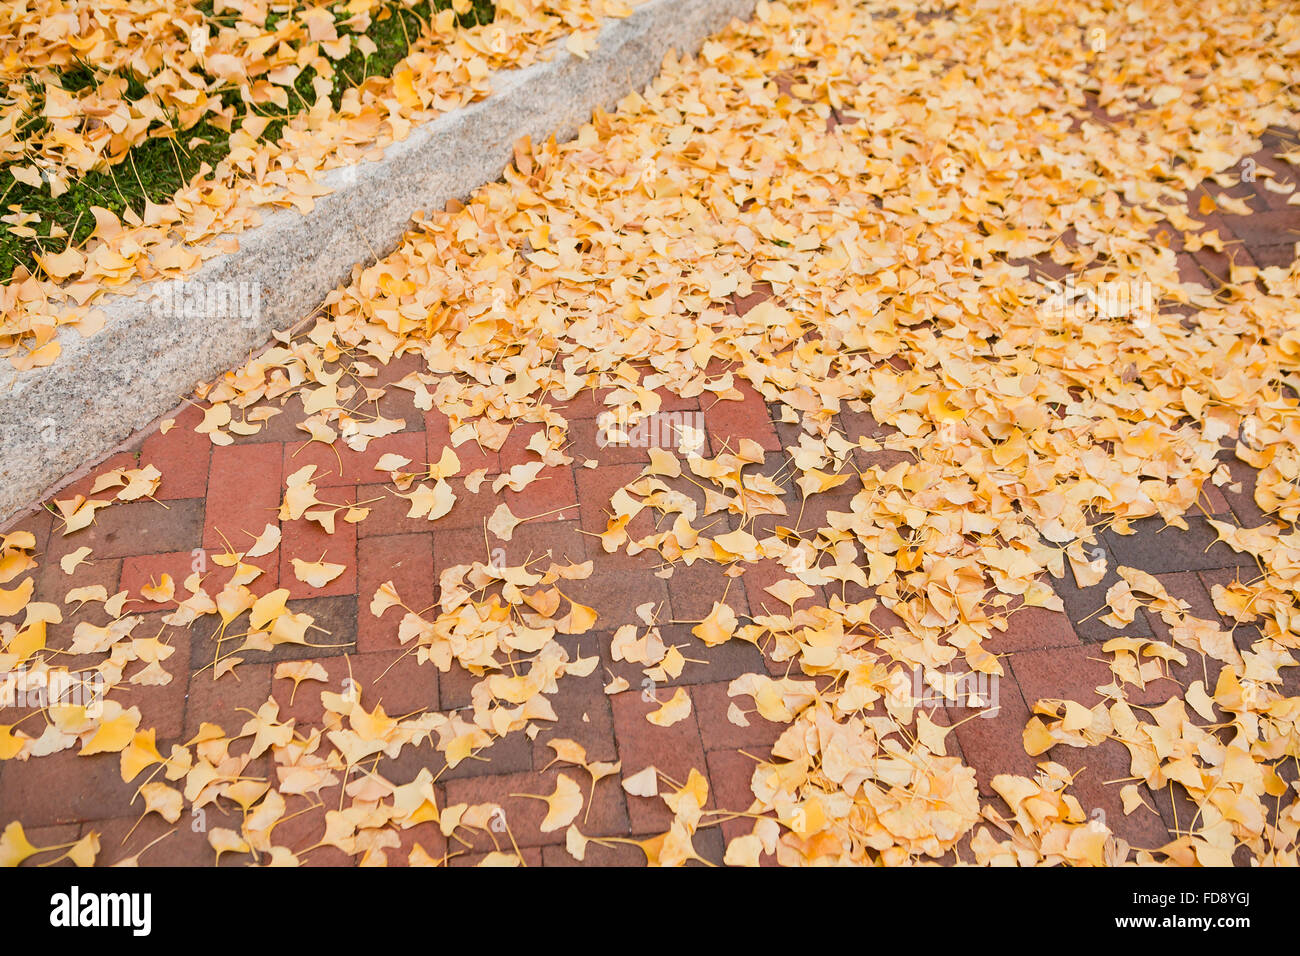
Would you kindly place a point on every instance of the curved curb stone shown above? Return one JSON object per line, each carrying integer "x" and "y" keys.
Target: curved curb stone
{"x": 151, "y": 354}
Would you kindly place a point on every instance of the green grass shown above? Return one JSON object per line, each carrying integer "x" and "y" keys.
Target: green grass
{"x": 157, "y": 168}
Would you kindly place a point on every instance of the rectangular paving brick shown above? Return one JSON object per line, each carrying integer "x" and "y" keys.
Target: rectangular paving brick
{"x": 523, "y": 816}
{"x": 1032, "y": 628}
{"x": 457, "y": 546}
{"x": 407, "y": 561}
{"x": 1240, "y": 492}
{"x": 139, "y": 571}
{"x": 540, "y": 544}
{"x": 309, "y": 542}
{"x": 387, "y": 513}
{"x": 162, "y": 706}
{"x": 1099, "y": 773}
{"x": 244, "y": 492}
{"x": 526, "y": 856}
{"x": 1267, "y": 228}
{"x": 729, "y": 421}
{"x": 1085, "y": 607}
{"x": 64, "y": 787}
{"x": 617, "y": 594}
{"x": 1158, "y": 549}
{"x": 615, "y": 854}
{"x": 703, "y": 664}
{"x": 505, "y": 755}
{"x": 767, "y": 573}
{"x": 219, "y": 702}
{"x": 333, "y": 632}
{"x": 381, "y": 677}
{"x": 1212, "y": 500}
{"x": 425, "y": 835}
{"x": 674, "y": 750}
{"x": 136, "y": 527}
{"x": 1273, "y": 256}
{"x": 182, "y": 455}
{"x": 730, "y": 776}
{"x": 303, "y": 826}
{"x": 696, "y": 588}
{"x": 514, "y": 450}
{"x": 178, "y": 844}
{"x": 1185, "y": 586}
{"x": 994, "y": 744}
{"x": 553, "y": 488}
{"x": 717, "y": 732}
{"x": 584, "y": 713}
{"x": 470, "y": 510}
{"x": 1075, "y": 673}
{"x": 593, "y": 440}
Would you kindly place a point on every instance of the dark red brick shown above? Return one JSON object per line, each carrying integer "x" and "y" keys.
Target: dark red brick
{"x": 674, "y": 750}
{"x": 244, "y": 492}
{"x": 711, "y": 704}
{"x": 730, "y": 421}
{"x": 407, "y": 561}
{"x": 1031, "y": 629}
{"x": 182, "y": 455}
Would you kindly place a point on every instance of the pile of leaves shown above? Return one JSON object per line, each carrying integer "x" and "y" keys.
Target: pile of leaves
{"x": 890, "y": 174}
{"x": 55, "y": 202}
{"x": 70, "y": 72}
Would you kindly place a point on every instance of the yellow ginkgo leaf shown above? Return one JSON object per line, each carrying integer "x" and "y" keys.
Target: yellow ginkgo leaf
{"x": 14, "y": 847}
{"x": 10, "y": 743}
{"x": 448, "y": 464}
{"x": 159, "y": 593}
{"x": 385, "y": 596}
{"x": 84, "y": 851}
{"x": 581, "y": 43}
{"x": 789, "y": 591}
{"x": 643, "y": 783}
{"x": 718, "y": 627}
{"x": 112, "y": 736}
{"x": 299, "y": 671}
{"x": 225, "y": 840}
{"x": 744, "y": 851}
{"x": 15, "y": 599}
{"x": 678, "y": 708}
{"x": 71, "y": 561}
{"x": 163, "y": 800}
{"x": 575, "y": 843}
{"x": 268, "y": 608}
{"x": 316, "y": 573}
{"x": 500, "y": 858}
{"x": 503, "y": 522}
{"x": 265, "y": 543}
{"x": 563, "y": 805}
{"x": 142, "y": 752}
{"x": 579, "y": 620}
{"x": 431, "y": 503}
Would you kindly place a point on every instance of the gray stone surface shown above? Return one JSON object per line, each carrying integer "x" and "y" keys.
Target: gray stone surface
{"x": 101, "y": 390}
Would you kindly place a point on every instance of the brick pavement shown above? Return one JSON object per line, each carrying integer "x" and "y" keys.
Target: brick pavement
{"x": 210, "y": 495}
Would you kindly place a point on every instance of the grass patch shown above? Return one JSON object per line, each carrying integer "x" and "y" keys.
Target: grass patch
{"x": 158, "y": 168}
